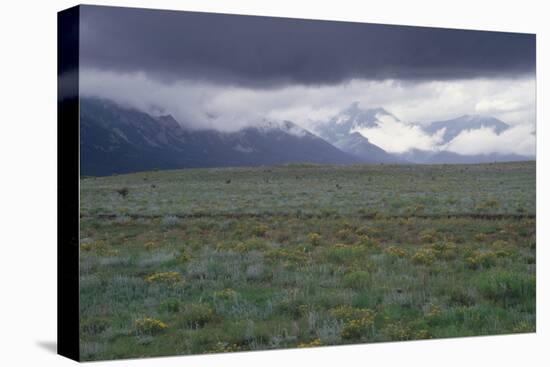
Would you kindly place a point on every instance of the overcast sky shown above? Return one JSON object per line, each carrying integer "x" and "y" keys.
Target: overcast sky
{"x": 226, "y": 72}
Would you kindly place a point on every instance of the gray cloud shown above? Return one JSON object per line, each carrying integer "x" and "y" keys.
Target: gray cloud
{"x": 518, "y": 139}
{"x": 265, "y": 51}
{"x": 227, "y": 72}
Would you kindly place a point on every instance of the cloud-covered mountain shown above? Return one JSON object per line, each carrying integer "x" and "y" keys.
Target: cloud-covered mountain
{"x": 341, "y": 131}
{"x": 452, "y": 128}
{"x": 114, "y": 139}
{"x": 437, "y": 142}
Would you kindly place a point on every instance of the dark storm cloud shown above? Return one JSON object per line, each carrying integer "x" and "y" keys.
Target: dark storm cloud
{"x": 265, "y": 51}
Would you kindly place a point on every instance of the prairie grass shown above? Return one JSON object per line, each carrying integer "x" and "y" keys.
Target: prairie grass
{"x": 199, "y": 266}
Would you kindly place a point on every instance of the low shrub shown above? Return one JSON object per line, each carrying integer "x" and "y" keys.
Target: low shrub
{"x": 198, "y": 314}
{"x": 151, "y": 245}
{"x": 291, "y": 307}
{"x": 428, "y": 236}
{"x": 314, "y": 238}
{"x": 99, "y": 247}
{"x": 260, "y": 230}
{"x": 346, "y": 235}
{"x": 445, "y": 250}
{"x": 502, "y": 248}
{"x": 94, "y": 325}
{"x": 357, "y": 279}
{"x": 460, "y": 297}
{"x": 164, "y": 277}
{"x": 366, "y": 241}
{"x": 478, "y": 260}
{"x": 287, "y": 255}
{"x": 524, "y": 327}
{"x": 424, "y": 256}
{"x": 423, "y": 334}
{"x": 347, "y": 313}
{"x": 149, "y": 326}
{"x": 225, "y": 294}
{"x": 184, "y": 257}
{"x": 313, "y": 343}
{"x": 356, "y": 328}
{"x": 395, "y": 251}
{"x": 341, "y": 253}
{"x": 362, "y": 231}
{"x": 507, "y": 288}
{"x": 223, "y": 347}
{"x": 123, "y": 191}
{"x": 434, "y": 311}
{"x": 480, "y": 237}
{"x": 357, "y": 321}
{"x": 487, "y": 205}
{"x": 398, "y": 331}
{"x": 171, "y": 305}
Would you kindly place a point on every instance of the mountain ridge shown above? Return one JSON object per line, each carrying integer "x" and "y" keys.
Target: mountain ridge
{"x": 117, "y": 139}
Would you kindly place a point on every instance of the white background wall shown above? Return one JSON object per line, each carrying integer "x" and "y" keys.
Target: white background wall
{"x": 28, "y": 181}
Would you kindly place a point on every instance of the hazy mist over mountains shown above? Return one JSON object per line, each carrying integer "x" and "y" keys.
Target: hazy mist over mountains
{"x": 117, "y": 139}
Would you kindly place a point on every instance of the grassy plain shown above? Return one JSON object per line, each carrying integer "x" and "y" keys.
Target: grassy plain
{"x": 235, "y": 259}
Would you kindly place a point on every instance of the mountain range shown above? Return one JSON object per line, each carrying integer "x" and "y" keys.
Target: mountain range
{"x": 117, "y": 139}
{"x": 114, "y": 139}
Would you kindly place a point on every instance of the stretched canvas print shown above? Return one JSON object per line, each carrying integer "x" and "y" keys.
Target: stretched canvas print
{"x": 232, "y": 183}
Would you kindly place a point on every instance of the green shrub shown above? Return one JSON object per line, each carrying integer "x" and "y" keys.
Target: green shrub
{"x": 291, "y": 307}
{"x": 507, "y": 288}
{"x": 357, "y": 279}
{"x": 340, "y": 253}
{"x": 198, "y": 314}
{"x": 171, "y": 305}
{"x": 94, "y": 324}
{"x": 184, "y": 257}
{"x": 477, "y": 259}
{"x": 460, "y": 297}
